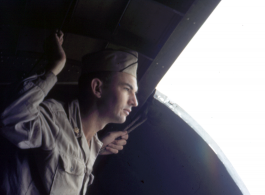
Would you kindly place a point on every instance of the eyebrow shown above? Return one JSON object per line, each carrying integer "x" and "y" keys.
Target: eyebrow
{"x": 131, "y": 87}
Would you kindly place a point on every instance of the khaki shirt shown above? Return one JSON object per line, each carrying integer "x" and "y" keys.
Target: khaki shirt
{"x": 64, "y": 160}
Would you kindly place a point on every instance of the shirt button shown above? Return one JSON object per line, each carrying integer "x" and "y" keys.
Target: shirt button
{"x": 76, "y": 130}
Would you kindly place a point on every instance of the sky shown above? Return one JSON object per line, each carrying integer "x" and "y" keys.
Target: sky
{"x": 219, "y": 80}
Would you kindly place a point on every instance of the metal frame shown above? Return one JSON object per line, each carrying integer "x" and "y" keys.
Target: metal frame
{"x": 175, "y": 44}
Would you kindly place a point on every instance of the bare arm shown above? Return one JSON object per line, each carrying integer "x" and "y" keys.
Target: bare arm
{"x": 55, "y": 53}
{"x": 23, "y": 122}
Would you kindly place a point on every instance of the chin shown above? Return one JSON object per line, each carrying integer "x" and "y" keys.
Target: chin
{"x": 120, "y": 120}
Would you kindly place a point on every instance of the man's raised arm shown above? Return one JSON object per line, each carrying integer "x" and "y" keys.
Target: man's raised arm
{"x": 23, "y": 122}
{"x": 55, "y": 53}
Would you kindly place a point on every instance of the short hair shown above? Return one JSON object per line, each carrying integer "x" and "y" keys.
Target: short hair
{"x": 84, "y": 81}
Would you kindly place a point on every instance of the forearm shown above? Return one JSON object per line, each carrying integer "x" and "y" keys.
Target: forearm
{"x": 55, "y": 53}
{"x": 56, "y": 66}
{"x": 22, "y": 117}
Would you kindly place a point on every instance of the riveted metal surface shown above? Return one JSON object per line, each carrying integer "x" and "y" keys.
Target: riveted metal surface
{"x": 149, "y": 22}
{"x": 99, "y": 14}
{"x": 26, "y": 24}
{"x": 77, "y": 45}
{"x": 71, "y": 72}
{"x": 14, "y": 67}
{"x": 175, "y": 44}
{"x": 179, "y": 5}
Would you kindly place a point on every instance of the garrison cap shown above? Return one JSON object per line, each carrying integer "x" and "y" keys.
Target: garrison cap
{"x": 111, "y": 60}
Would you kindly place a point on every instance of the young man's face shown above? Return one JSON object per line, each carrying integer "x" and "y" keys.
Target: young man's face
{"x": 119, "y": 97}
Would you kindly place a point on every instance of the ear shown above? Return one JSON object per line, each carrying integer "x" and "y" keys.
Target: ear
{"x": 96, "y": 86}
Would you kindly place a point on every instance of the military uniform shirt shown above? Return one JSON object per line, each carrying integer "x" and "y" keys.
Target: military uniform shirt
{"x": 63, "y": 158}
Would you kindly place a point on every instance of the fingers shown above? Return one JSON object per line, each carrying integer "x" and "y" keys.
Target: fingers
{"x": 125, "y": 136}
{"x": 114, "y": 142}
{"x": 121, "y": 137}
{"x": 116, "y": 147}
{"x": 112, "y": 150}
{"x": 59, "y": 33}
{"x": 59, "y": 36}
{"x": 120, "y": 142}
{"x": 117, "y": 135}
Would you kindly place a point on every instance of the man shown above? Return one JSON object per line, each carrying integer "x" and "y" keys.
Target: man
{"x": 63, "y": 138}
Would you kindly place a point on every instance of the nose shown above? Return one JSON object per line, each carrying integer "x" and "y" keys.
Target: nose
{"x": 134, "y": 101}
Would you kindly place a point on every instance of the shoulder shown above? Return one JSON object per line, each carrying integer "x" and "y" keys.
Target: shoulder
{"x": 53, "y": 105}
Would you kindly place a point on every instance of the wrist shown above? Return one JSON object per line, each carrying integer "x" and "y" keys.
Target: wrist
{"x": 56, "y": 66}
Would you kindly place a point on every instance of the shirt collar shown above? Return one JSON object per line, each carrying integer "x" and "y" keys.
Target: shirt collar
{"x": 75, "y": 120}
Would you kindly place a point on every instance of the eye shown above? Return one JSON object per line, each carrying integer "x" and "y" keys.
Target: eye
{"x": 127, "y": 89}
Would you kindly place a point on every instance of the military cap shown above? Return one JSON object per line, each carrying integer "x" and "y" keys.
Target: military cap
{"x": 111, "y": 60}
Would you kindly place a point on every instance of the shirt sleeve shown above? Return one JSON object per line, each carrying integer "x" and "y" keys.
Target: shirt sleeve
{"x": 23, "y": 122}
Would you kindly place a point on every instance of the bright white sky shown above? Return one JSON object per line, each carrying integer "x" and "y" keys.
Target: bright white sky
{"x": 219, "y": 79}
